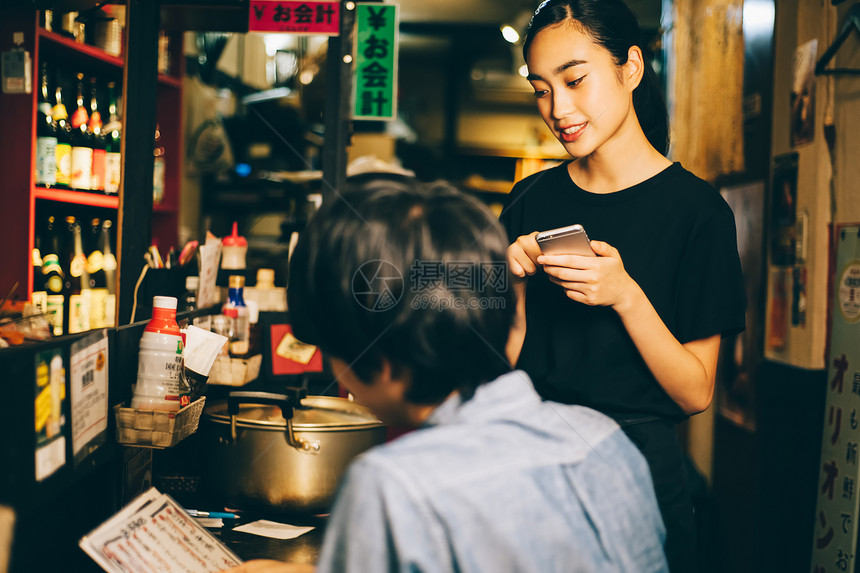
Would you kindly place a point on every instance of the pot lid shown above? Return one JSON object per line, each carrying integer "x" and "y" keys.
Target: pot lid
{"x": 322, "y": 412}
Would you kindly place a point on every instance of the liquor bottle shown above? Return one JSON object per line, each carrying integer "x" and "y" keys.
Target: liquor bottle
{"x": 46, "y": 135}
{"x": 97, "y": 276}
{"x": 237, "y": 311}
{"x": 40, "y": 296}
{"x": 77, "y": 280}
{"x": 158, "y": 169}
{"x": 82, "y": 146}
{"x": 97, "y": 138}
{"x": 53, "y": 278}
{"x": 110, "y": 274}
{"x": 64, "y": 137}
{"x": 113, "y": 159}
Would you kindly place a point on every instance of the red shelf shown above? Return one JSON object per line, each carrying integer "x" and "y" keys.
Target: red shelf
{"x": 85, "y": 49}
{"x": 78, "y": 197}
{"x": 165, "y": 209}
{"x": 171, "y": 81}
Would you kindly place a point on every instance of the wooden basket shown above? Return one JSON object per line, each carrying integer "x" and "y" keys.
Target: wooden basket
{"x": 235, "y": 371}
{"x": 157, "y": 428}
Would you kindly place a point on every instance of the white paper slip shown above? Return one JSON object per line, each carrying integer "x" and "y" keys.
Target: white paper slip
{"x": 273, "y": 529}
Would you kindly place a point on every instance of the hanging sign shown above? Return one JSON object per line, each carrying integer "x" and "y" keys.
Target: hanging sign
{"x": 375, "y": 81}
{"x": 320, "y": 18}
{"x": 834, "y": 545}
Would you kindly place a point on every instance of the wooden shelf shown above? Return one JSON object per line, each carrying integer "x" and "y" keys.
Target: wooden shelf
{"x": 77, "y": 197}
{"x": 92, "y": 52}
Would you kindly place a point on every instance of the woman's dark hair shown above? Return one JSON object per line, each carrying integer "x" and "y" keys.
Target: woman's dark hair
{"x": 611, "y": 24}
{"x": 413, "y": 273}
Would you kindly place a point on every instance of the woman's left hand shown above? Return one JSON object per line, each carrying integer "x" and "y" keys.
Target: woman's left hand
{"x": 595, "y": 281}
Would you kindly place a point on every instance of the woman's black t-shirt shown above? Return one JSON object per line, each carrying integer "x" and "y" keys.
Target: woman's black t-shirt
{"x": 676, "y": 237}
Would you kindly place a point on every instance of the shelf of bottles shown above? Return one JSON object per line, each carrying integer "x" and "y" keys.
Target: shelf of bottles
{"x": 74, "y": 266}
{"x": 76, "y": 149}
{"x": 77, "y": 177}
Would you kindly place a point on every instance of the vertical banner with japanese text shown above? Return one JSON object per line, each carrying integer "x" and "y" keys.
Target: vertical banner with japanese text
{"x": 376, "y": 37}
{"x": 835, "y": 539}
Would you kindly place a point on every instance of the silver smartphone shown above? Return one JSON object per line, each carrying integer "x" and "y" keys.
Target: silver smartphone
{"x": 570, "y": 240}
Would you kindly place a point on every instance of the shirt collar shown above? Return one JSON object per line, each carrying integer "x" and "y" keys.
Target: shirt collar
{"x": 510, "y": 392}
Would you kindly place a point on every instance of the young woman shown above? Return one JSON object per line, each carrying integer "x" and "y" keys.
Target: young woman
{"x": 634, "y": 332}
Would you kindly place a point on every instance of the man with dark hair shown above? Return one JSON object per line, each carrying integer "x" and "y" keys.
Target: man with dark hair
{"x": 405, "y": 288}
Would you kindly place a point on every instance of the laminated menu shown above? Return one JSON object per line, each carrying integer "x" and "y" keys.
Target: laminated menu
{"x": 154, "y": 534}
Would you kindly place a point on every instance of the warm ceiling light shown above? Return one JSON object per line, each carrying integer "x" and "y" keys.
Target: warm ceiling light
{"x": 509, "y": 34}
{"x": 523, "y": 71}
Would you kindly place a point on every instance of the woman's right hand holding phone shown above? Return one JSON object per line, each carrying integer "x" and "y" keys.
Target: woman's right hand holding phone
{"x": 522, "y": 256}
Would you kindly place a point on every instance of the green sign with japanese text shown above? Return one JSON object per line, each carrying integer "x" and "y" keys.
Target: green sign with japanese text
{"x": 375, "y": 67}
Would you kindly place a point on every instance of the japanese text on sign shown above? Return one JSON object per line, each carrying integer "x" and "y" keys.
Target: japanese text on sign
{"x": 305, "y": 18}
{"x": 375, "y": 62}
{"x": 835, "y": 539}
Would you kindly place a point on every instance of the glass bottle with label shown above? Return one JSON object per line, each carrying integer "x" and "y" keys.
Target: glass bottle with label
{"x": 110, "y": 274}
{"x": 97, "y": 140}
{"x": 82, "y": 146}
{"x": 64, "y": 137}
{"x": 96, "y": 272}
{"x": 46, "y": 135}
{"x": 53, "y": 278}
{"x": 158, "y": 171}
{"x": 113, "y": 159}
{"x": 40, "y": 296}
{"x": 77, "y": 280}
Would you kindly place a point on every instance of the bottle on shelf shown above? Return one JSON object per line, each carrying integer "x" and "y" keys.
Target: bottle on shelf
{"x": 82, "y": 146}
{"x": 97, "y": 276}
{"x": 158, "y": 168}
{"x": 113, "y": 143}
{"x": 46, "y": 134}
{"x": 236, "y": 310}
{"x": 110, "y": 274}
{"x": 68, "y": 25}
{"x": 161, "y": 384}
{"x": 163, "y": 52}
{"x": 53, "y": 278}
{"x": 77, "y": 280}
{"x": 40, "y": 295}
{"x": 46, "y": 19}
{"x": 64, "y": 137}
{"x": 97, "y": 140}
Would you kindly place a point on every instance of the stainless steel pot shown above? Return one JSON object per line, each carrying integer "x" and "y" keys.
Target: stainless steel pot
{"x": 283, "y": 452}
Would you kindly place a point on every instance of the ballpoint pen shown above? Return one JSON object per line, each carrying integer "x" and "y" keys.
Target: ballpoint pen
{"x": 216, "y": 514}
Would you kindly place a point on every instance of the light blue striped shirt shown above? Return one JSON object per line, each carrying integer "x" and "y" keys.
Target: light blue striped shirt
{"x": 502, "y": 482}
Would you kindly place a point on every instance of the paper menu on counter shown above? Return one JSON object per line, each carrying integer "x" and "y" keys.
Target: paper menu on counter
{"x": 154, "y": 534}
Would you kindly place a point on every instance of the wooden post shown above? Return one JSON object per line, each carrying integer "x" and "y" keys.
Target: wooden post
{"x": 338, "y": 85}
{"x": 139, "y": 103}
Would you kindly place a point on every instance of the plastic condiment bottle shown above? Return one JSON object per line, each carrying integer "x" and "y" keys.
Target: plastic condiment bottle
{"x": 160, "y": 384}
{"x": 237, "y": 311}
{"x": 234, "y": 249}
